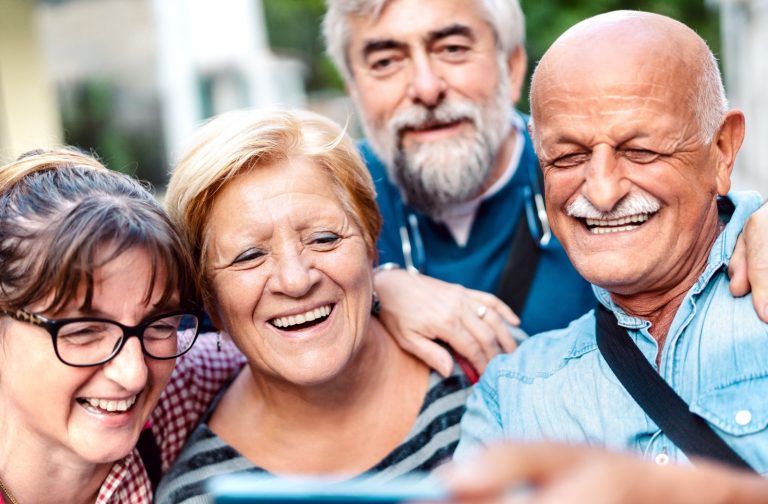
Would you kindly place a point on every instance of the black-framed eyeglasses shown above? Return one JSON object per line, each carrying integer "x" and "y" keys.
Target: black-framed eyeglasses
{"x": 90, "y": 341}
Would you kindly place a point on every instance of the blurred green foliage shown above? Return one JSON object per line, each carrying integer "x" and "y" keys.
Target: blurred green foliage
{"x": 294, "y": 25}
{"x": 547, "y": 19}
{"x": 89, "y": 120}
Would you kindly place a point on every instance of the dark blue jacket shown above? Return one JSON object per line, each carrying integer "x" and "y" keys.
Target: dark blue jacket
{"x": 558, "y": 294}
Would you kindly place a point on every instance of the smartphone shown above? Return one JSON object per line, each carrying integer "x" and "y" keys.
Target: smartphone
{"x": 266, "y": 489}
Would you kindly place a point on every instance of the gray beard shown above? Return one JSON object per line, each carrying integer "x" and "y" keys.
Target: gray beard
{"x": 435, "y": 176}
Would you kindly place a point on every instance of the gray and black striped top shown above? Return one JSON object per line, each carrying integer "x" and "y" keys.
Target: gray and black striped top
{"x": 430, "y": 443}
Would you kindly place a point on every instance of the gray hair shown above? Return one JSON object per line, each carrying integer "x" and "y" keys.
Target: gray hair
{"x": 504, "y": 16}
{"x": 710, "y": 102}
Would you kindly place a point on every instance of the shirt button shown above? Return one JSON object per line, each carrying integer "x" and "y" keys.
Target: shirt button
{"x": 743, "y": 417}
{"x": 662, "y": 459}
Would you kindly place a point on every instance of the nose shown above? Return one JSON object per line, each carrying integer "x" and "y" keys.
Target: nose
{"x": 293, "y": 275}
{"x": 129, "y": 367}
{"x": 605, "y": 184}
{"x": 426, "y": 87}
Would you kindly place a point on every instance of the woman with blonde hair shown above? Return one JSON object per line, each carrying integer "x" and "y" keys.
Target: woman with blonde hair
{"x": 280, "y": 215}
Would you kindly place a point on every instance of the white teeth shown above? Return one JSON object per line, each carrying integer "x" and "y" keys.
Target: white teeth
{"x": 615, "y": 229}
{"x": 301, "y": 318}
{"x": 603, "y": 226}
{"x": 106, "y": 405}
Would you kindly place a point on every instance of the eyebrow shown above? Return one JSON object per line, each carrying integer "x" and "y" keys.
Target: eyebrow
{"x": 450, "y": 30}
{"x": 373, "y": 45}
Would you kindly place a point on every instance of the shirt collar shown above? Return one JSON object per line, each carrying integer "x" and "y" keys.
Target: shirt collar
{"x": 739, "y": 205}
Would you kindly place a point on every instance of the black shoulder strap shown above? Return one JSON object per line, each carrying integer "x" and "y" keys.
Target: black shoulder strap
{"x": 520, "y": 268}
{"x": 669, "y": 411}
{"x": 150, "y": 456}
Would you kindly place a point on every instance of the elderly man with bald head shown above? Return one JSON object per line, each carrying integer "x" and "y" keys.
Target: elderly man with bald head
{"x": 637, "y": 144}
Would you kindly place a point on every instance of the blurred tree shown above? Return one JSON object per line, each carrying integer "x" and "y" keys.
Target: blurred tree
{"x": 547, "y": 19}
{"x": 293, "y": 26}
{"x": 89, "y": 120}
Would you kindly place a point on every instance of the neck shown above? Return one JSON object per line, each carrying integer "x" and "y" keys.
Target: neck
{"x": 34, "y": 471}
{"x": 659, "y": 306}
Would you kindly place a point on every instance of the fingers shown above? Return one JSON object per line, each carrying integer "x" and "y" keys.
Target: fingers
{"x": 494, "y": 303}
{"x": 467, "y": 342}
{"x": 756, "y": 239}
{"x": 491, "y": 473}
{"x": 737, "y": 269}
{"x": 432, "y": 354}
{"x": 498, "y": 317}
{"x": 482, "y": 332}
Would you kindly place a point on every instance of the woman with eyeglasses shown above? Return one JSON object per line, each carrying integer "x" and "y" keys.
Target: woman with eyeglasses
{"x": 97, "y": 301}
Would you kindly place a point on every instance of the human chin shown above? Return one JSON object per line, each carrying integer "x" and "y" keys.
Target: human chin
{"x": 438, "y": 175}
{"x": 311, "y": 355}
{"x": 104, "y": 436}
{"x": 618, "y": 271}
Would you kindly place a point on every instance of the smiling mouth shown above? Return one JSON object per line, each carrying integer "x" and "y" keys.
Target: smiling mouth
{"x": 605, "y": 226}
{"x": 432, "y": 126}
{"x": 105, "y": 406}
{"x": 303, "y": 320}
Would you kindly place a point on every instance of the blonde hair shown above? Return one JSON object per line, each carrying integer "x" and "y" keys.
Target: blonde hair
{"x": 236, "y": 142}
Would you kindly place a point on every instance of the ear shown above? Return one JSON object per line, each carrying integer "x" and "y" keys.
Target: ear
{"x": 727, "y": 143}
{"x": 517, "y": 64}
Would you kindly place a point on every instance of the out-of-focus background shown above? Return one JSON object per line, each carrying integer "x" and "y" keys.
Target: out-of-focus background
{"x": 131, "y": 79}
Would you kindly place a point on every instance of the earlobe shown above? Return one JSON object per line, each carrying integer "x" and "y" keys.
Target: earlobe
{"x": 517, "y": 64}
{"x": 728, "y": 142}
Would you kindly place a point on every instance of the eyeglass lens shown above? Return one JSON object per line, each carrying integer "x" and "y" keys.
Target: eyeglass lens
{"x": 92, "y": 341}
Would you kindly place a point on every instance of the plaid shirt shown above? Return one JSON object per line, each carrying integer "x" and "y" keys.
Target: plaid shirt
{"x": 197, "y": 378}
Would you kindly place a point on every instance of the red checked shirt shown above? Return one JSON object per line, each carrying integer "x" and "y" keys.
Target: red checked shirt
{"x": 197, "y": 378}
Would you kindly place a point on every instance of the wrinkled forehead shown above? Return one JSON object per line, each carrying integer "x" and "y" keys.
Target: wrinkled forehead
{"x": 412, "y": 21}
{"x": 609, "y": 76}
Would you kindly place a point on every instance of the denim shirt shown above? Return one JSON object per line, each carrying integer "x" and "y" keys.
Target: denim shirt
{"x": 558, "y": 387}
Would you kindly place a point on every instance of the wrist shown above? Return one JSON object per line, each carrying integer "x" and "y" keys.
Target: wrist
{"x": 387, "y": 266}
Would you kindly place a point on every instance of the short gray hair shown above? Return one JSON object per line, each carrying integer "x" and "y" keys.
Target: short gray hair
{"x": 504, "y": 16}
{"x": 710, "y": 103}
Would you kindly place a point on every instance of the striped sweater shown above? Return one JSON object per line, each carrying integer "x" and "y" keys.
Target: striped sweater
{"x": 430, "y": 443}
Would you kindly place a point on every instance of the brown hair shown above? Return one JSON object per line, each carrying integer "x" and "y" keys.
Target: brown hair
{"x": 243, "y": 140}
{"x": 57, "y": 211}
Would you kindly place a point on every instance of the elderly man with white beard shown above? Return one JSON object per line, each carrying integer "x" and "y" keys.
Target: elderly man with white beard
{"x": 457, "y": 179}
{"x": 456, "y": 176}
{"x": 637, "y": 144}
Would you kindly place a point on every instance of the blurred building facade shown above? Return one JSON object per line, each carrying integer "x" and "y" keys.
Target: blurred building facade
{"x": 29, "y": 114}
{"x": 133, "y": 78}
{"x": 744, "y": 27}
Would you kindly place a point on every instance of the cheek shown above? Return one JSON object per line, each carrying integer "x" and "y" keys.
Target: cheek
{"x": 560, "y": 187}
{"x": 160, "y": 372}
{"x": 464, "y": 81}
{"x": 379, "y": 99}
{"x": 237, "y": 292}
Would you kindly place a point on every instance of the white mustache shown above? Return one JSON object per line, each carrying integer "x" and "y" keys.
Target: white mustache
{"x": 632, "y": 204}
{"x": 419, "y": 117}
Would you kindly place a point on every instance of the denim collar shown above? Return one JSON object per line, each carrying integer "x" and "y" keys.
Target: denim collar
{"x": 735, "y": 210}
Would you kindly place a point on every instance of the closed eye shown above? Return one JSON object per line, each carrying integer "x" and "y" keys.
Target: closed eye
{"x": 641, "y": 156}
{"x": 248, "y": 255}
{"x": 571, "y": 160}
{"x": 324, "y": 240}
